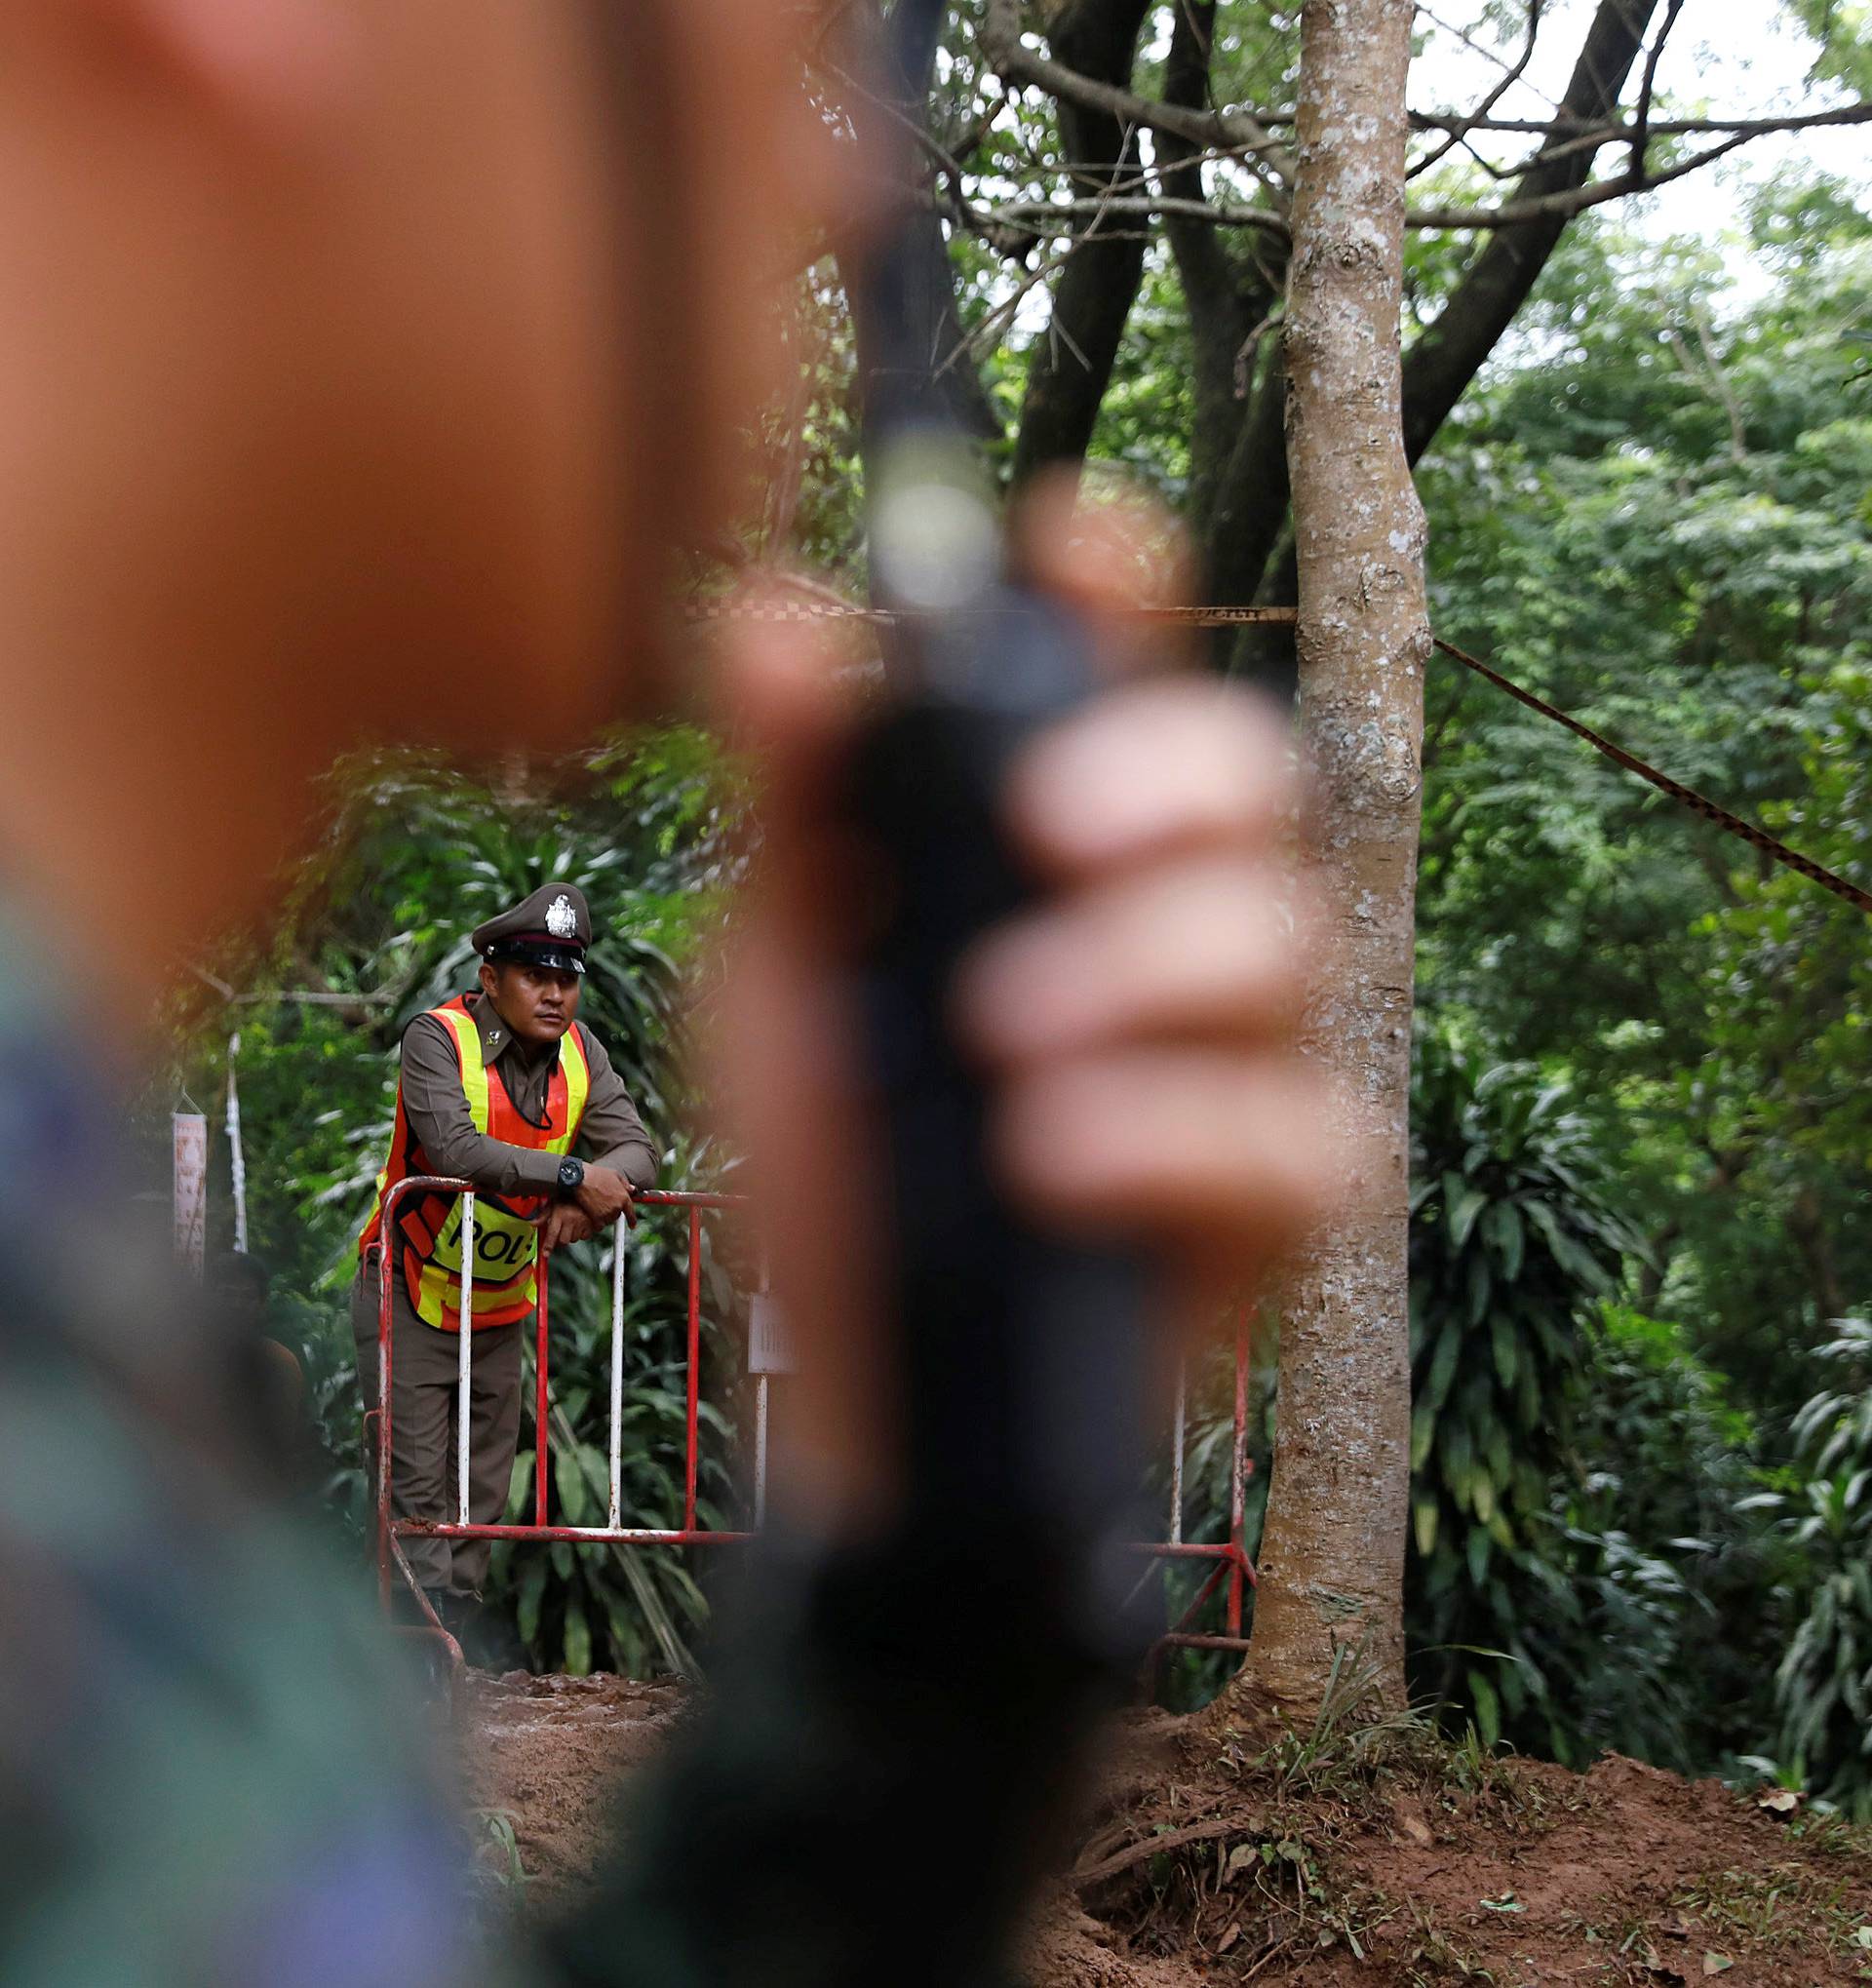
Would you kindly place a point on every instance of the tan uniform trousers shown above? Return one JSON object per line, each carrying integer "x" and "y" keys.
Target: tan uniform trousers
{"x": 423, "y": 1383}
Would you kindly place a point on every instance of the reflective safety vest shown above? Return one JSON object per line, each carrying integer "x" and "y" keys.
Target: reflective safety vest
{"x": 506, "y": 1242}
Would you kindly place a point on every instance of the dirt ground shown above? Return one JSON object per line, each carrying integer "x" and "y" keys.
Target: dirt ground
{"x": 545, "y": 1754}
{"x": 1225, "y": 1849}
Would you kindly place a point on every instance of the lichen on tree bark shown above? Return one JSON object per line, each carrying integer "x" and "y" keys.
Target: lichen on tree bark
{"x": 1333, "y": 1552}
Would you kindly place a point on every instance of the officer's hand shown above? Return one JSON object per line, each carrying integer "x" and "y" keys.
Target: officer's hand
{"x": 1139, "y": 1021}
{"x": 565, "y": 1221}
{"x": 602, "y": 1195}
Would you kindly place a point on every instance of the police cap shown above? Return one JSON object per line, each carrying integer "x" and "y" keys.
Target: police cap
{"x": 551, "y": 928}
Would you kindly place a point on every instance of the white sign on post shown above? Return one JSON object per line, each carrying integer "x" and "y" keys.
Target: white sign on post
{"x": 190, "y": 1174}
{"x": 770, "y": 1348}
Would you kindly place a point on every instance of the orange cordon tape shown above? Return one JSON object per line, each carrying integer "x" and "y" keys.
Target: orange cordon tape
{"x": 812, "y": 608}
{"x": 1756, "y": 838}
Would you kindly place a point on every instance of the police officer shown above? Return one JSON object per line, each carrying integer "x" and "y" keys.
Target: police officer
{"x": 497, "y": 1086}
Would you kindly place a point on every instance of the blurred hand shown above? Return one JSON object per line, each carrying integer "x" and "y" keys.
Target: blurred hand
{"x": 1138, "y": 1022}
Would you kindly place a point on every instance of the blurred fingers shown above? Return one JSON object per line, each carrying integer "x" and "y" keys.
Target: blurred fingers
{"x": 1204, "y": 949}
{"x": 783, "y": 1044}
{"x": 1156, "y": 768}
{"x": 1109, "y": 557}
{"x": 1222, "y": 1155}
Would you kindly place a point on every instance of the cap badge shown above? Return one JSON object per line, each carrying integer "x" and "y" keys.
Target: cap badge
{"x": 561, "y": 918}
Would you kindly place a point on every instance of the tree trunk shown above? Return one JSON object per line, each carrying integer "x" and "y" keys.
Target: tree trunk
{"x": 1333, "y": 1554}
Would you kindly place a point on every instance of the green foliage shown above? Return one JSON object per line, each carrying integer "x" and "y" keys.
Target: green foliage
{"x": 376, "y": 927}
{"x": 1513, "y": 1241}
{"x": 1823, "y": 1687}
{"x": 499, "y": 1852}
{"x": 1667, "y": 1545}
{"x": 1594, "y": 1561}
{"x": 1654, "y": 513}
{"x": 1591, "y": 1562}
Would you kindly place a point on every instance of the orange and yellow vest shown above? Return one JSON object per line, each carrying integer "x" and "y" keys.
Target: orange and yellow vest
{"x": 506, "y": 1242}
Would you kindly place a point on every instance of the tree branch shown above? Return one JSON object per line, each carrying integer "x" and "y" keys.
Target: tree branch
{"x": 1712, "y": 380}
{"x": 1044, "y": 219}
{"x": 1049, "y": 217}
{"x": 1239, "y": 130}
{"x": 1251, "y": 499}
{"x": 1563, "y": 206}
{"x": 1641, "y": 124}
{"x": 1509, "y": 77}
{"x": 1446, "y": 357}
{"x": 1071, "y": 368}
{"x": 933, "y": 276}
{"x": 1610, "y": 129}
{"x": 1511, "y": 73}
{"x": 1227, "y": 296}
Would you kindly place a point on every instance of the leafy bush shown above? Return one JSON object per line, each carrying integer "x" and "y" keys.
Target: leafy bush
{"x": 1592, "y": 1565}
{"x": 1595, "y": 1562}
{"x": 1512, "y": 1244}
{"x": 1673, "y": 1566}
{"x": 1823, "y": 1685}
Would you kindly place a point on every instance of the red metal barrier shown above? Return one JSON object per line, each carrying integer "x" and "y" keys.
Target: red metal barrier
{"x": 390, "y": 1529}
{"x": 1230, "y": 1555}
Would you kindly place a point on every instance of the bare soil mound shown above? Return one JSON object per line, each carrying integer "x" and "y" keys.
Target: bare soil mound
{"x": 541, "y": 1759}
{"x": 1386, "y": 1856}
{"x": 1223, "y": 1849}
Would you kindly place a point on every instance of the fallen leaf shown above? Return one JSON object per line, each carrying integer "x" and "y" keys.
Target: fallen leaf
{"x": 1717, "y": 1964}
{"x": 1508, "y": 1903}
{"x": 1229, "y": 1938}
{"x": 1412, "y": 1823}
{"x": 1781, "y": 1801}
{"x": 1243, "y": 1853}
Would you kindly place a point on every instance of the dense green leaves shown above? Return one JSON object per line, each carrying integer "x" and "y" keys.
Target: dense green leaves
{"x": 1594, "y": 1556}
{"x": 1823, "y": 1687}
{"x": 1655, "y": 515}
{"x": 1512, "y": 1242}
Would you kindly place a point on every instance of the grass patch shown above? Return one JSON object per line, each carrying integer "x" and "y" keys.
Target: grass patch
{"x": 1435, "y": 1958}
{"x": 1256, "y": 1881}
{"x": 1356, "y": 1743}
{"x": 1782, "y": 1906}
{"x": 497, "y": 1850}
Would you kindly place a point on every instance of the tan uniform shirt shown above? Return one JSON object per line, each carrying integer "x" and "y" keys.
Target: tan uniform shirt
{"x": 610, "y": 1134}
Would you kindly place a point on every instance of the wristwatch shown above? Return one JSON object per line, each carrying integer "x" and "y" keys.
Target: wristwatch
{"x": 571, "y": 1176}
